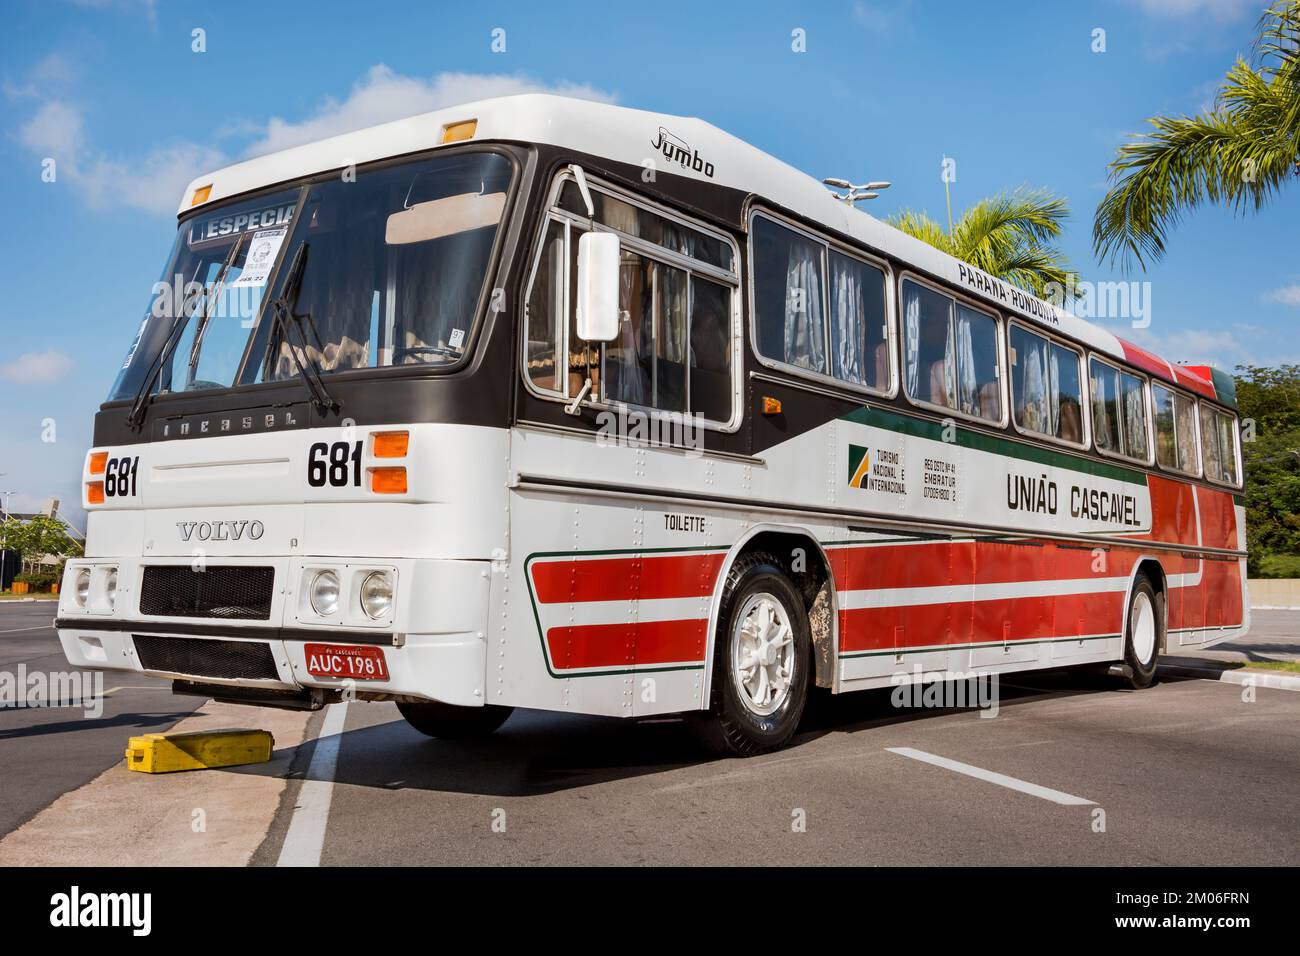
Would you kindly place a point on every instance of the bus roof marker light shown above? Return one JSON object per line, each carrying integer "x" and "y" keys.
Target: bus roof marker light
{"x": 460, "y": 131}
{"x": 201, "y": 195}
{"x": 855, "y": 194}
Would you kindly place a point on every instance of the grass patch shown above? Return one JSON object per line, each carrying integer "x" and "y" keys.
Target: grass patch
{"x": 1292, "y": 667}
{"x": 43, "y": 596}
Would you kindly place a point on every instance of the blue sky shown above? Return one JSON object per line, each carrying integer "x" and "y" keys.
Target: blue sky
{"x": 112, "y": 90}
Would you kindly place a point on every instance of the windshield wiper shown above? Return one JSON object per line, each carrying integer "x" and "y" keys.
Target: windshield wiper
{"x": 285, "y": 317}
{"x": 142, "y": 397}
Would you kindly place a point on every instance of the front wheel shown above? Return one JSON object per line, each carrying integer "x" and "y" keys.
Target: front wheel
{"x": 760, "y": 661}
{"x": 1144, "y": 633}
{"x": 449, "y": 722}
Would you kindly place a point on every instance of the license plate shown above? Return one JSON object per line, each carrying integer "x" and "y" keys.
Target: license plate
{"x": 346, "y": 662}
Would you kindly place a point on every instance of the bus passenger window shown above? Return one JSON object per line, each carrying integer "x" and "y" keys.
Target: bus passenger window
{"x": 788, "y": 289}
{"x": 1219, "y": 445}
{"x": 859, "y": 353}
{"x": 1046, "y": 391}
{"x": 1119, "y": 412}
{"x": 710, "y": 371}
{"x": 952, "y": 353}
{"x": 1175, "y": 421}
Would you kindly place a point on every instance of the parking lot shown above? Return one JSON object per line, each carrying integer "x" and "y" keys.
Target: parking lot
{"x": 1071, "y": 770}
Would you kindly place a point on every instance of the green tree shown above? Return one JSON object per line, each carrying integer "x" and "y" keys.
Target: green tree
{"x": 1269, "y": 401}
{"x": 1239, "y": 153}
{"x": 38, "y": 537}
{"x": 1011, "y": 235}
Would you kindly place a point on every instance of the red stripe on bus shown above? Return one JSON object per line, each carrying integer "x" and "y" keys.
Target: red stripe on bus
{"x": 1147, "y": 361}
{"x": 623, "y": 645}
{"x": 577, "y": 580}
{"x": 1192, "y": 381}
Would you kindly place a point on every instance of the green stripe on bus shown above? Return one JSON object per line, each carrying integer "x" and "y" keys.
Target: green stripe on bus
{"x": 979, "y": 441}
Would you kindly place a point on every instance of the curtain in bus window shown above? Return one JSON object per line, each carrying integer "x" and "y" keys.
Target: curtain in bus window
{"x": 1030, "y": 381}
{"x": 1227, "y": 447}
{"x": 847, "y": 315}
{"x": 644, "y": 367}
{"x": 1166, "y": 430}
{"x": 1105, "y": 407}
{"x": 1067, "y": 394}
{"x": 857, "y": 310}
{"x": 1135, "y": 418}
{"x": 931, "y": 364}
{"x": 1210, "y": 445}
{"x": 1185, "y": 427}
{"x": 977, "y": 364}
{"x": 805, "y": 325}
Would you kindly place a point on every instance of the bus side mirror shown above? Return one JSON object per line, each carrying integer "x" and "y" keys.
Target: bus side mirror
{"x": 598, "y": 265}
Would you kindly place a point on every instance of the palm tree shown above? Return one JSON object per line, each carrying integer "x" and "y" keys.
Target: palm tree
{"x": 1239, "y": 153}
{"x": 1011, "y": 235}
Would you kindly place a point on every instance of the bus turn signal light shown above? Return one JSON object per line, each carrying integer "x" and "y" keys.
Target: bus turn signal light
{"x": 455, "y": 132}
{"x": 388, "y": 481}
{"x": 392, "y": 444}
{"x": 98, "y": 459}
{"x": 95, "y": 492}
{"x": 771, "y": 406}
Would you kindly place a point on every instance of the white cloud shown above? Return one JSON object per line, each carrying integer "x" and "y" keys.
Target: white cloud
{"x": 1239, "y": 344}
{"x": 153, "y": 181}
{"x": 383, "y": 95}
{"x": 37, "y": 368}
{"x": 55, "y": 130}
{"x": 1287, "y": 295}
{"x": 881, "y": 18}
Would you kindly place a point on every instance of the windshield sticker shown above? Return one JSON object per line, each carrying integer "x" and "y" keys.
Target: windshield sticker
{"x": 262, "y": 250}
{"x": 457, "y": 338}
{"x": 218, "y": 227}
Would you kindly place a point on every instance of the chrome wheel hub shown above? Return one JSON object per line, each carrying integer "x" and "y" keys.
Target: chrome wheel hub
{"x": 762, "y": 654}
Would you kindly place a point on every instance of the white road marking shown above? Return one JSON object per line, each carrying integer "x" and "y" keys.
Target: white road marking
{"x": 39, "y": 627}
{"x": 1002, "y": 780}
{"x": 306, "y": 836}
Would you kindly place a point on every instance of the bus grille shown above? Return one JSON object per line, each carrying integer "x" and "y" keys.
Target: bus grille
{"x": 227, "y": 592}
{"x": 203, "y": 657}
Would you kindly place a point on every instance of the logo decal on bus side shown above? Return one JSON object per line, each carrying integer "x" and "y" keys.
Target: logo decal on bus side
{"x": 679, "y": 151}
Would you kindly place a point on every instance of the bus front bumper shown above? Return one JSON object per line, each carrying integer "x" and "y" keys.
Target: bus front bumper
{"x": 433, "y": 647}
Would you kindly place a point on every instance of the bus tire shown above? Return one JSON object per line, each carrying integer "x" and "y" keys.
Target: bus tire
{"x": 761, "y": 661}
{"x": 449, "y": 722}
{"x": 1144, "y": 633}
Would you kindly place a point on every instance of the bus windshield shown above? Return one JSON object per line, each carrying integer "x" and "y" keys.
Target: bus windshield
{"x": 393, "y": 268}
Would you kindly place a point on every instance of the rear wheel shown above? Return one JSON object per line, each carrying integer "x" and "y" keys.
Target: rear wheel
{"x": 760, "y": 662}
{"x": 449, "y": 722}
{"x": 1145, "y": 633}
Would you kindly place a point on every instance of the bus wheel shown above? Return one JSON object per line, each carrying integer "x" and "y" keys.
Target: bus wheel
{"x": 760, "y": 661}
{"x": 450, "y": 722}
{"x": 1144, "y": 634}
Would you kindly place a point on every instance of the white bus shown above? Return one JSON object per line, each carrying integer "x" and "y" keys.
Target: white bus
{"x": 550, "y": 404}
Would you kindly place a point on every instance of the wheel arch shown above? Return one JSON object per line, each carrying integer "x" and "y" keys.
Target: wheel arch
{"x": 782, "y": 541}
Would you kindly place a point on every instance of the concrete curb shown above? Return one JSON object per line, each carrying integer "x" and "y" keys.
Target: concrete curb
{"x": 1241, "y": 676}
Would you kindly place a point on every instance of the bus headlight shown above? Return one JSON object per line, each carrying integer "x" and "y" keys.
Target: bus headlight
{"x": 110, "y": 587}
{"x": 325, "y": 593}
{"x": 377, "y": 595}
{"x": 81, "y": 589}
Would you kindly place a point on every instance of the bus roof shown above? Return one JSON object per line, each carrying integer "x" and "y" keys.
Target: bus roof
{"x": 694, "y": 149}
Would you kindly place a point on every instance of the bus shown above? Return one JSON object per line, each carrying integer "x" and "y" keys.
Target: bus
{"x": 552, "y": 404}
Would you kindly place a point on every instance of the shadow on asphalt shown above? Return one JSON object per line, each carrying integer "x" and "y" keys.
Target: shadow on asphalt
{"x": 536, "y": 752}
{"x": 82, "y": 723}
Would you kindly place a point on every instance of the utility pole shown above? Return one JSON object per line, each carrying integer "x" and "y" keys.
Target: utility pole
{"x": 4, "y": 534}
